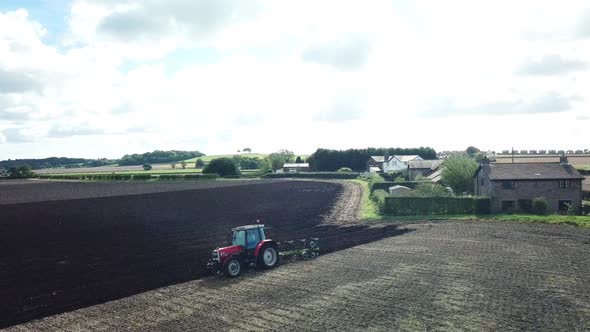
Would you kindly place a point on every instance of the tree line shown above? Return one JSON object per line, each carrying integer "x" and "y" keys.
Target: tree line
{"x": 158, "y": 157}
{"x": 327, "y": 160}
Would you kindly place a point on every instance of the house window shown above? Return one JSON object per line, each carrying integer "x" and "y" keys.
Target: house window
{"x": 565, "y": 184}
{"x": 564, "y": 205}
{"x": 507, "y": 206}
{"x": 508, "y": 184}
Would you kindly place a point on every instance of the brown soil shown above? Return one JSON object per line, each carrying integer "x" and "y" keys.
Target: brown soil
{"x": 469, "y": 276}
{"x": 60, "y": 255}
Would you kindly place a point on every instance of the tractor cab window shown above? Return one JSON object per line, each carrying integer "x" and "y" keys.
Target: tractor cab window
{"x": 239, "y": 238}
{"x": 253, "y": 238}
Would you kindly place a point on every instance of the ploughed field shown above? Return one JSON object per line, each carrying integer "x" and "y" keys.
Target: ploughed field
{"x": 60, "y": 255}
{"x": 455, "y": 276}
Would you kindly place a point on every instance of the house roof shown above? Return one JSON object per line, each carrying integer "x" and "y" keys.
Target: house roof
{"x": 398, "y": 187}
{"x": 530, "y": 171}
{"x": 296, "y": 165}
{"x": 381, "y": 159}
{"x": 425, "y": 164}
{"x": 407, "y": 158}
{"x": 436, "y": 177}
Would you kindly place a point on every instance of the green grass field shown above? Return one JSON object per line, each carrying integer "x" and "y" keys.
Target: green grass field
{"x": 209, "y": 158}
{"x": 251, "y": 155}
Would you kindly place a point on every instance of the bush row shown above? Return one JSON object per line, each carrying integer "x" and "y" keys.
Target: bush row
{"x": 436, "y": 205}
{"x": 313, "y": 175}
{"x": 129, "y": 176}
{"x": 584, "y": 171}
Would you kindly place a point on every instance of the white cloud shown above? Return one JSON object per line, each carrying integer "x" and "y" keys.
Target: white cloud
{"x": 208, "y": 74}
{"x": 551, "y": 65}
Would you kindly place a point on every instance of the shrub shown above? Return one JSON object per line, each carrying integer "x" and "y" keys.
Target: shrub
{"x": 199, "y": 163}
{"x": 378, "y": 196}
{"x": 430, "y": 190}
{"x": 142, "y": 176}
{"x": 525, "y": 205}
{"x": 344, "y": 170}
{"x": 540, "y": 205}
{"x": 586, "y": 209}
{"x": 20, "y": 172}
{"x": 375, "y": 179}
{"x": 147, "y": 167}
{"x": 222, "y": 167}
{"x": 313, "y": 175}
{"x": 436, "y": 205}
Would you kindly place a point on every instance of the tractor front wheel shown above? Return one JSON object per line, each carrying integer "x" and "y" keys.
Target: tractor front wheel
{"x": 269, "y": 257}
{"x": 232, "y": 268}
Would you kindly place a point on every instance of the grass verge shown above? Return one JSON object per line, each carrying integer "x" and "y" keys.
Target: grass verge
{"x": 369, "y": 209}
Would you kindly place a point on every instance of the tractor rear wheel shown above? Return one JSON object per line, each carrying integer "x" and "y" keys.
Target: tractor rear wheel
{"x": 268, "y": 257}
{"x": 232, "y": 267}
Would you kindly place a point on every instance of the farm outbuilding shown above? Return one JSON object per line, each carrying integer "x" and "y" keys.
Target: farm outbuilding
{"x": 397, "y": 191}
{"x": 422, "y": 167}
{"x": 296, "y": 168}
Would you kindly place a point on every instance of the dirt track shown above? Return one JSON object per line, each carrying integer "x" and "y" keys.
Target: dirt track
{"x": 447, "y": 276}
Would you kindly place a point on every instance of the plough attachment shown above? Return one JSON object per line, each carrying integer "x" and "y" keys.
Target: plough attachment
{"x": 302, "y": 248}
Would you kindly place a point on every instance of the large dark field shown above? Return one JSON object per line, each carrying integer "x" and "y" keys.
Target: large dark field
{"x": 446, "y": 276}
{"x": 59, "y": 255}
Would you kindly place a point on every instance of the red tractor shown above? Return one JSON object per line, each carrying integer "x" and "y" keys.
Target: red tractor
{"x": 249, "y": 247}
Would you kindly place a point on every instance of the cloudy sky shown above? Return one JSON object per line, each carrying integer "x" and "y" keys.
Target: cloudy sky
{"x": 101, "y": 78}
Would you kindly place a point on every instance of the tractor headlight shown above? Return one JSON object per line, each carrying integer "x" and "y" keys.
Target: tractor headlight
{"x": 215, "y": 255}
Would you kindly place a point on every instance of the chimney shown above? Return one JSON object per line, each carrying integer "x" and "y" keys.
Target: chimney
{"x": 386, "y": 157}
{"x": 563, "y": 160}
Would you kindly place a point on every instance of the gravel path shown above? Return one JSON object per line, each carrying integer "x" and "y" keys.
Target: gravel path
{"x": 471, "y": 276}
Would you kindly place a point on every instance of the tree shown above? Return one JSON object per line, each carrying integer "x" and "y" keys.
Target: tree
{"x": 429, "y": 190}
{"x": 222, "y": 167}
{"x": 147, "y": 167}
{"x": 247, "y": 150}
{"x": 173, "y": 165}
{"x": 20, "y": 172}
{"x": 472, "y": 150}
{"x": 199, "y": 163}
{"x": 298, "y": 160}
{"x": 458, "y": 173}
{"x": 183, "y": 164}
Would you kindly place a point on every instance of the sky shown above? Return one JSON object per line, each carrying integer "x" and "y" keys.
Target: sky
{"x": 103, "y": 78}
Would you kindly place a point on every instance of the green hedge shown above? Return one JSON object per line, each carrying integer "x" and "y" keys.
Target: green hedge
{"x": 131, "y": 176}
{"x": 584, "y": 171}
{"x": 313, "y": 175}
{"x": 402, "y": 206}
{"x": 378, "y": 196}
{"x": 385, "y": 185}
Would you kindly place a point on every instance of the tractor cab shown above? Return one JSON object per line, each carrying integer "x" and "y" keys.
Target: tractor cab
{"x": 248, "y": 236}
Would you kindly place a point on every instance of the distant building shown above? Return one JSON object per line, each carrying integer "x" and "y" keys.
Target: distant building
{"x": 296, "y": 168}
{"x": 423, "y": 168}
{"x": 512, "y": 187}
{"x": 390, "y": 163}
{"x": 397, "y": 191}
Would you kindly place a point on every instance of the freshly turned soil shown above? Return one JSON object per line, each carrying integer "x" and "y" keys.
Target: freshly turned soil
{"x": 61, "y": 255}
